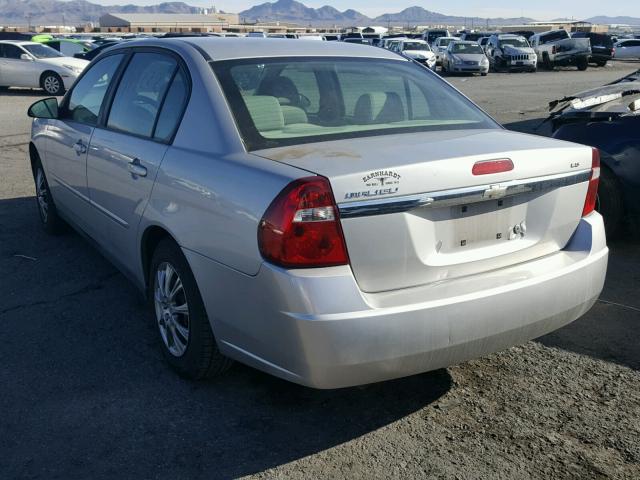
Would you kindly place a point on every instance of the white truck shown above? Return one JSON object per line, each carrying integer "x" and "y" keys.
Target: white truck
{"x": 557, "y": 48}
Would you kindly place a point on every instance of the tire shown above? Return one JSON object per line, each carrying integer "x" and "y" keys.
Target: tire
{"x": 52, "y": 84}
{"x": 610, "y": 202}
{"x": 483, "y": 74}
{"x": 601, "y": 63}
{"x": 47, "y": 211}
{"x": 533, "y": 70}
{"x": 186, "y": 339}
{"x": 3, "y": 89}
{"x": 582, "y": 64}
{"x": 546, "y": 62}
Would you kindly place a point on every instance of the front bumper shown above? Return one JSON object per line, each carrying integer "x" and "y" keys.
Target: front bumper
{"x": 522, "y": 64}
{"x": 68, "y": 79}
{"x": 470, "y": 68}
{"x": 315, "y": 327}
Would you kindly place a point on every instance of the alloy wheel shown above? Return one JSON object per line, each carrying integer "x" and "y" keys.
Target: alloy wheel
{"x": 42, "y": 194}
{"x": 51, "y": 84}
{"x": 172, "y": 309}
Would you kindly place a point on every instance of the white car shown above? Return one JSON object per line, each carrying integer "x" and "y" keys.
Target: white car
{"x": 627, "y": 49}
{"x": 34, "y": 65}
{"x": 440, "y": 47}
{"x": 417, "y": 50}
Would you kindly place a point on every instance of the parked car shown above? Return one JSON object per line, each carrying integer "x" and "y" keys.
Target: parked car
{"x": 256, "y": 35}
{"x": 91, "y": 54}
{"x": 627, "y": 50}
{"x": 465, "y": 57}
{"x": 417, "y": 50}
{"x": 608, "y": 118}
{"x": 511, "y": 52}
{"x": 297, "y": 230}
{"x": 34, "y": 65}
{"x": 430, "y": 36}
{"x": 557, "y": 48}
{"x": 440, "y": 47}
{"x": 67, "y": 46}
{"x": 601, "y": 47}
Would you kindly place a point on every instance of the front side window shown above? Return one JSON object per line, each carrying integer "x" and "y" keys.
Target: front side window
{"x": 140, "y": 93}
{"x": 11, "y": 51}
{"x": 350, "y": 98}
{"x": 88, "y": 93}
{"x": 42, "y": 51}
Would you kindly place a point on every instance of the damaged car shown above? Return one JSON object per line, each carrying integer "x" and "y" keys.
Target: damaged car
{"x": 608, "y": 118}
{"x": 511, "y": 52}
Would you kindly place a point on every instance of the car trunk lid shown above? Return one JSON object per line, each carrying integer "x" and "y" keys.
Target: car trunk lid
{"x": 413, "y": 212}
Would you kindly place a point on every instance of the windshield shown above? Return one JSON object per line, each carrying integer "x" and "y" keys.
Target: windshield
{"x": 467, "y": 48}
{"x": 514, "y": 42}
{"x": 280, "y": 102}
{"x": 42, "y": 51}
{"x": 415, "y": 46}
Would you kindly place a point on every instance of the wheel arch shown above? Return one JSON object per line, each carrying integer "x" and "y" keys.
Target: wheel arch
{"x": 150, "y": 239}
{"x": 34, "y": 157}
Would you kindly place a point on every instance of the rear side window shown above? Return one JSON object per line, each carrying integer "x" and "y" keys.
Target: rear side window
{"x": 140, "y": 93}
{"x": 87, "y": 95}
{"x": 172, "y": 108}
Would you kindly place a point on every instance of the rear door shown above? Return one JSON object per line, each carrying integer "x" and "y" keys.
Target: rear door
{"x": 69, "y": 136}
{"x": 126, "y": 150}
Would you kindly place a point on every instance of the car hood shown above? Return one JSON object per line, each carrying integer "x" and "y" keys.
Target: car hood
{"x": 419, "y": 54}
{"x": 511, "y": 50}
{"x": 60, "y": 61}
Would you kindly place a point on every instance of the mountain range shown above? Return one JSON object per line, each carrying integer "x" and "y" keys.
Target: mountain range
{"x": 73, "y": 12}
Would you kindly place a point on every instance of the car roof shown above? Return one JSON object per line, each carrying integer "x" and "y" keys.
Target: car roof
{"x": 465, "y": 42}
{"x": 237, "y": 48}
{"x": 20, "y": 42}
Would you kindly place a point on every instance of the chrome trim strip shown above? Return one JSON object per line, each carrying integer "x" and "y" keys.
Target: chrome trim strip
{"x": 461, "y": 196}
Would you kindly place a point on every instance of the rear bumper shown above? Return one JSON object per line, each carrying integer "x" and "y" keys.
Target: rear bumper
{"x": 316, "y": 328}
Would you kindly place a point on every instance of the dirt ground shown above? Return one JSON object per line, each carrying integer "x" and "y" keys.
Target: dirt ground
{"x": 84, "y": 392}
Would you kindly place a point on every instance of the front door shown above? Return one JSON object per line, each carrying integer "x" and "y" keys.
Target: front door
{"x": 69, "y": 136}
{"x": 16, "y": 71}
{"x": 125, "y": 154}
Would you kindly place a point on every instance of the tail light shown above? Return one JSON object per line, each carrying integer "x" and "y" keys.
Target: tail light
{"x": 592, "y": 191}
{"x": 301, "y": 228}
{"x": 488, "y": 167}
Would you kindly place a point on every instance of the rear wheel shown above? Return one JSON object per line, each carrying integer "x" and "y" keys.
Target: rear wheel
{"x": 187, "y": 341}
{"x": 51, "y": 222}
{"x": 546, "y": 62}
{"x": 609, "y": 202}
{"x": 601, "y": 63}
{"x": 52, "y": 83}
{"x": 582, "y": 64}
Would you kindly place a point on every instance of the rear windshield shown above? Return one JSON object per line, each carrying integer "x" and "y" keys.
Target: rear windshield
{"x": 466, "y": 48}
{"x": 280, "y": 102}
{"x": 553, "y": 36}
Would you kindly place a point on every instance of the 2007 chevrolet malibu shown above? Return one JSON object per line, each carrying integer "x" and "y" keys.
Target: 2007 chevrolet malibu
{"x": 332, "y": 214}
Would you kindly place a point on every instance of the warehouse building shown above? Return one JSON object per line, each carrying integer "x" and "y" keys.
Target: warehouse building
{"x": 166, "y": 22}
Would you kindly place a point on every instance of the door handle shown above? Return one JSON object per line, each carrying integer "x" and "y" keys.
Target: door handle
{"x": 80, "y": 147}
{"x": 136, "y": 169}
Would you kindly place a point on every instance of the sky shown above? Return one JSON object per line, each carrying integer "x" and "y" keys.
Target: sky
{"x": 537, "y": 9}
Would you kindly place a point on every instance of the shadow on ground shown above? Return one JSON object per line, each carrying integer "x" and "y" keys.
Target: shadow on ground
{"x": 86, "y": 393}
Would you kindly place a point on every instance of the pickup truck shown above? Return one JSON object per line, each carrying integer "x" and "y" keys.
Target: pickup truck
{"x": 557, "y": 48}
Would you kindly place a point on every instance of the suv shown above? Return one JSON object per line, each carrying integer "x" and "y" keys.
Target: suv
{"x": 511, "y": 52}
{"x": 601, "y": 47}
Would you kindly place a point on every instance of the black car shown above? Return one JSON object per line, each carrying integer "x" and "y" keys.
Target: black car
{"x": 601, "y": 47}
{"x": 608, "y": 118}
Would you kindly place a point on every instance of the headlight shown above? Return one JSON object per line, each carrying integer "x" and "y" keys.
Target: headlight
{"x": 73, "y": 68}
{"x": 484, "y": 60}
{"x": 456, "y": 60}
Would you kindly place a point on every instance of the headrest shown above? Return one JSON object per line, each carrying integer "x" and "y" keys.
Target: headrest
{"x": 265, "y": 112}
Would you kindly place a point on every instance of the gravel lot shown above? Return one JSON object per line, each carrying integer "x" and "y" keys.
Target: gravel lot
{"x": 84, "y": 392}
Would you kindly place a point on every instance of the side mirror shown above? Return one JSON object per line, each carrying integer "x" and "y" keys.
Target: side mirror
{"x": 26, "y": 56}
{"x": 46, "y": 108}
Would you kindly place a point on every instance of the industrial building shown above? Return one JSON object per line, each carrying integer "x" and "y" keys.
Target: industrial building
{"x": 166, "y": 22}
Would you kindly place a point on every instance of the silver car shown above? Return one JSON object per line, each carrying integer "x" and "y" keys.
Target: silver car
{"x": 332, "y": 214}
{"x": 465, "y": 57}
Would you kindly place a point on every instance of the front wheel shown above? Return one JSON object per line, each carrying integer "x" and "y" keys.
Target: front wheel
{"x": 187, "y": 341}
{"x": 52, "y": 84}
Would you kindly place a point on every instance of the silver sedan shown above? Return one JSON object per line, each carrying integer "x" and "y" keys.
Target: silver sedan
{"x": 465, "y": 57}
{"x": 332, "y": 214}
